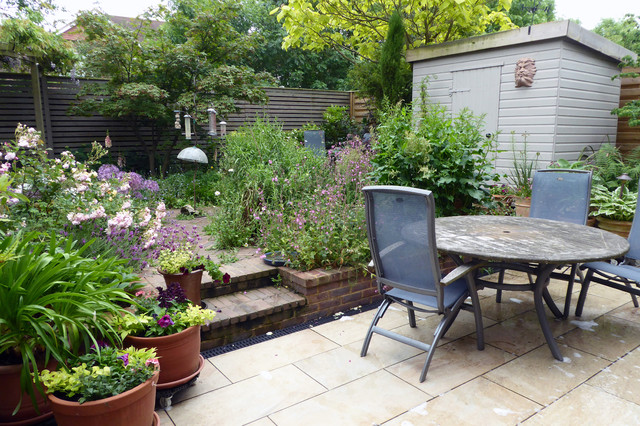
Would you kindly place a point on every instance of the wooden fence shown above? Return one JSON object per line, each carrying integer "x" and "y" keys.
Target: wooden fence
{"x": 628, "y": 138}
{"x": 291, "y": 107}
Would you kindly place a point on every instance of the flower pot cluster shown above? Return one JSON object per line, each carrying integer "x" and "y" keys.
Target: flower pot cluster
{"x": 77, "y": 342}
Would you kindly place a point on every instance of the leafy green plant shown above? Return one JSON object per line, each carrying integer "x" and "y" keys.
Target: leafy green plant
{"x": 337, "y": 125}
{"x": 617, "y": 204}
{"x": 54, "y": 302}
{"x": 325, "y": 227}
{"x": 260, "y": 162}
{"x": 176, "y": 189}
{"x": 450, "y": 156}
{"x": 521, "y": 176}
{"x": 101, "y": 373}
{"x": 183, "y": 260}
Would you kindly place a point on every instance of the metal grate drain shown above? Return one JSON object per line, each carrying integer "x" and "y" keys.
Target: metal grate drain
{"x": 279, "y": 333}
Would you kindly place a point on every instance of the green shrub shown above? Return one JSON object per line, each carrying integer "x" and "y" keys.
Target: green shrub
{"x": 261, "y": 163}
{"x": 449, "y": 156}
{"x": 177, "y": 188}
{"x": 337, "y": 125}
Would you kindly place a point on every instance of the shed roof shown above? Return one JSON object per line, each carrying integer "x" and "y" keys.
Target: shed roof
{"x": 535, "y": 33}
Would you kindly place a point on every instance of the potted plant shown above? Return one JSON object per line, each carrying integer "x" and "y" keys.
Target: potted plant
{"x": 118, "y": 384}
{"x": 54, "y": 303}
{"x": 521, "y": 178}
{"x": 614, "y": 210}
{"x": 167, "y": 321}
{"x": 182, "y": 265}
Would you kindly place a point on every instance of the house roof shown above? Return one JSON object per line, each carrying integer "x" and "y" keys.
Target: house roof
{"x": 76, "y": 32}
{"x": 535, "y": 33}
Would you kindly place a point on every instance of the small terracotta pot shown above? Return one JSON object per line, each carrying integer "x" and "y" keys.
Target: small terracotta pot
{"x": 178, "y": 354}
{"x": 190, "y": 283}
{"x": 131, "y": 408}
{"x": 27, "y": 415}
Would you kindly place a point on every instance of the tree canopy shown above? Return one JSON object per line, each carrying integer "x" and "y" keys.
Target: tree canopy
{"x": 625, "y": 32}
{"x": 360, "y": 26}
{"x": 189, "y": 63}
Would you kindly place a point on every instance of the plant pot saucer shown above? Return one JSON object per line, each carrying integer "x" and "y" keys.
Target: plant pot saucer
{"x": 176, "y": 383}
{"x": 278, "y": 258}
{"x": 156, "y": 419}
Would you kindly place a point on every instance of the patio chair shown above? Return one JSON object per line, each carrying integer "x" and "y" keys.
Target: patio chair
{"x": 563, "y": 195}
{"x": 622, "y": 276}
{"x": 407, "y": 268}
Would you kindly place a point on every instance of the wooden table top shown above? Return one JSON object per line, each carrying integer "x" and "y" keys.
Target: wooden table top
{"x": 523, "y": 239}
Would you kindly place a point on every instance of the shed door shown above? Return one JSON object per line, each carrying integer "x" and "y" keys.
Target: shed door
{"x": 479, "y": 90}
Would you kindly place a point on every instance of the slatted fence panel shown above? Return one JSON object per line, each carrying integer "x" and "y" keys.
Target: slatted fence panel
{"x": 628, "y": 138}
{"x": 293, "y": 108}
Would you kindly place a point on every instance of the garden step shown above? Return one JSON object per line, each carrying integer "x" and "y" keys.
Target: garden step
{"x": 249, "y": 313}
{"x": 246, "y": 274}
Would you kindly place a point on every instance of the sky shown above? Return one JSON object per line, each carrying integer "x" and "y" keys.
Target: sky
{"x": 589, "y": 12}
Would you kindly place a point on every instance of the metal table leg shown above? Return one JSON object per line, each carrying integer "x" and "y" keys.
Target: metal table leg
{"x": 540, "y": 292}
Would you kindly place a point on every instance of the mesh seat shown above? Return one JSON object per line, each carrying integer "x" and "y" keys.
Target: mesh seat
{"x": 563, "y": 195}
{"x": 407, "y": 267}
{"x": 624, "y": 276}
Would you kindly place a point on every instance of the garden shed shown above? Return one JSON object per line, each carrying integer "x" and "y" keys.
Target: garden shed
{"x": 548, "y": 85}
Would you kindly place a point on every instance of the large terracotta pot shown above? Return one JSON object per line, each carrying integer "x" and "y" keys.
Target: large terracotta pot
{"x": 619, "y": 227}
{"x": 131, "y": 408}
{"x": 523, "y": 204}
{"x": 178, "y": 354}
{"x": 190, "y": 283}
{"x": 27, "y": 415}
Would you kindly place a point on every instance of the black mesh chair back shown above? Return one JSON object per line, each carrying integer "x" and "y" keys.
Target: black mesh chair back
{"x": 561, "y": 194}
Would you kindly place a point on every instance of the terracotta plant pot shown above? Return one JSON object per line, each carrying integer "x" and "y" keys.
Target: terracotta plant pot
{"x": 27, "y": 415}
{"x": 131, "y": 408}
{"x": 523, "y": 204}
{"x": 619, "y": 227}
{"x": 190, "y": 283}
{"x": 178, "y": 354}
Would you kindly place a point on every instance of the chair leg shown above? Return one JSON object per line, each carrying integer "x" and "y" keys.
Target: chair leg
{"x": 444, "y": 325}
{"x": 379, "y": 314}
{"x": 634, "y": 299}
{"x": 500, "y": 281}
{"x": 583, "y": 292}
{"x": 412, "y": 315}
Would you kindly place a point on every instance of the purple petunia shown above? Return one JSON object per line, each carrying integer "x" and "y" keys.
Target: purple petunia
{"x": 125, "y": 359}
{"x": 165, "y": 321}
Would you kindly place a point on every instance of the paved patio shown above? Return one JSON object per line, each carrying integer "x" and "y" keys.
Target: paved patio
{"x": 316, "y": 376}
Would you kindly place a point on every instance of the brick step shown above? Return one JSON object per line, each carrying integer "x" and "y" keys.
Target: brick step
{"x": 250, "y": 313}
{"x": 246, "y": 274}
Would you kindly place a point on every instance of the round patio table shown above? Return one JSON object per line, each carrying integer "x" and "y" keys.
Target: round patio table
{"x": 536, "y": 246}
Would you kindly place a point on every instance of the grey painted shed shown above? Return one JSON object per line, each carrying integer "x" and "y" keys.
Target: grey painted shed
{"x": 566, "y": 108}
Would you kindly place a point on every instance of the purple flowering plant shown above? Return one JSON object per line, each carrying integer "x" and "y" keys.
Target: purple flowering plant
{"x": 162, "y": 312}
{"x": 326, "y": 227}
{"x": 101, "y": 373}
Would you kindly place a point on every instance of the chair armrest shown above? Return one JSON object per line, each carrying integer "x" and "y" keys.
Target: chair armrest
{"x": 460, "y": 272}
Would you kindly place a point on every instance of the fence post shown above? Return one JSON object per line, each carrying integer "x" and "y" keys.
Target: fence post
{"x": 352, "y": 104}
{"x": 37, "y": 99}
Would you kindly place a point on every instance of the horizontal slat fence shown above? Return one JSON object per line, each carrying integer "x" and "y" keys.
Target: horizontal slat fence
{"x": 628, "y": 138}
{"x": 293, "y": 108}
